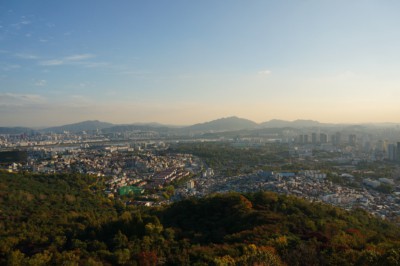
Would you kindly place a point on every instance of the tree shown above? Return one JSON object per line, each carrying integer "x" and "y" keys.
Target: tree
{"x": 16, "y": 258}
{"x": 120, "y": 240}
{"x": 122, "y": 256}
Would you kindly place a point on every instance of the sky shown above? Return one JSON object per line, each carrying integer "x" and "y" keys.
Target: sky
{"x": 185, "y": 62}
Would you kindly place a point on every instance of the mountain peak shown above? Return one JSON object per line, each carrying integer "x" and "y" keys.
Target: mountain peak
{"x": 87, "y": 125}
{"x": 276, "y": 123}
{"x": 231, "y": 123}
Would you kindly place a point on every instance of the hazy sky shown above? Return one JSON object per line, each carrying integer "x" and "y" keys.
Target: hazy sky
{"x": 183, "y": 62}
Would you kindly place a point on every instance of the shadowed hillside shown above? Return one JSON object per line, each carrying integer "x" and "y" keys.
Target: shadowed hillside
{"x": 66, "y": 220}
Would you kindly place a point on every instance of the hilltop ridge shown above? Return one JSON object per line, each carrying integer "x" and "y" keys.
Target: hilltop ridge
{"x": 55, "y": 219}
{"x": 232, "y": 123}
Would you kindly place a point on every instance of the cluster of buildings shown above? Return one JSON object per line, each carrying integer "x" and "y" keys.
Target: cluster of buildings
{"x": 141, "y": 168}
{"x": 376, "y": 183}
{"x": 323, "y": 138}
{"x": 312, "y": 185}
{"x": 162, "y": 178}
{"x": 44, "y": 139}
{"x": 129, "y": 168}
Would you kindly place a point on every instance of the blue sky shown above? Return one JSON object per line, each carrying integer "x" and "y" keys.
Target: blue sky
{"x": 183, "y": 62}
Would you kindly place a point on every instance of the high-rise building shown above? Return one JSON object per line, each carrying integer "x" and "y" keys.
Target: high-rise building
{"x": 323, "y": 138}
{"x": 314, "y": 138}
{"x": 398, "y": 151}
{"x": 382, "y": 145}
{"x": 302, "y": 139}
{"x": 338, "y": 138}
{"x": 333, "y": 139}
{"x": 305, "y": 138}
{"x": 385, "y": 145}
{"x": 352, "y": 140}
{"x": 392, "y": 152}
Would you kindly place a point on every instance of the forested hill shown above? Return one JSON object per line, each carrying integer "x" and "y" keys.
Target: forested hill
{"x": 66, "y": 220}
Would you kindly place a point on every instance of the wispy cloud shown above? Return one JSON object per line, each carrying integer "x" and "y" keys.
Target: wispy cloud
{"x": 136, "y": 73}
{"x": 21, "y": 23}
{"x": 14, "y": 99}
{"x": 9, "y": 67}
{"x": 54, "y": 62}
{"x": 27, "y": 56}
{"x": 77, "y": 59}
{"x": 264, "y": 72}
{"x": 95, "y": 64}
{"x": 41, "y": 83}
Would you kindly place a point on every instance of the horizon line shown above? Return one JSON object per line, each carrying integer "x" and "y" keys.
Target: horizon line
{"x": 188, "y": 125}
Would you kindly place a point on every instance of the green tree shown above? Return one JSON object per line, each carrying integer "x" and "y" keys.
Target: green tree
{"x": 16, "y": 258}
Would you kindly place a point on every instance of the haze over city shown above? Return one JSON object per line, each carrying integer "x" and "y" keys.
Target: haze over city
{"x": 183, "y": 132}
{"x": 185, "y": 62}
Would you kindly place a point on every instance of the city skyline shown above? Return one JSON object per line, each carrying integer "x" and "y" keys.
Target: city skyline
{"x": 182, "y": 63}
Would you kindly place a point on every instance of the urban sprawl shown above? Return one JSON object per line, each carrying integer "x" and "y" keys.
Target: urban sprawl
{"x": 140, "y": 168}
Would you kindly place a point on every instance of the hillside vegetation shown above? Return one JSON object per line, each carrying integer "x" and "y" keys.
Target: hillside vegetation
{"x": 66, "y": 220}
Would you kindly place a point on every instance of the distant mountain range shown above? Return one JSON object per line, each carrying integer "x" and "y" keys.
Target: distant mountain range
{"x": 223, "y": 124}
{"x": 275, "y": 123}
{"x": 81, "y": 126}
{"x": 232, "y": 123}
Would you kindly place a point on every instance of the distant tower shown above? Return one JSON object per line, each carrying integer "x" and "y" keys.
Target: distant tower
{"x": 367, "y": 146}
{"x": 314, "y": 138}
{"x": 380, "y": 146}
{"x": 352, "y": 140}
{"x": 385, "y": 145}
{"x": 301, "y": 139}
{"x": 305, "y": 138}
{"x": 398, "y": 151}
{"x": 338, "y": 138}
{"x": 392, "y": 152}
{"x": 323, "y": 138}
{"x": 333, "y": 139}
